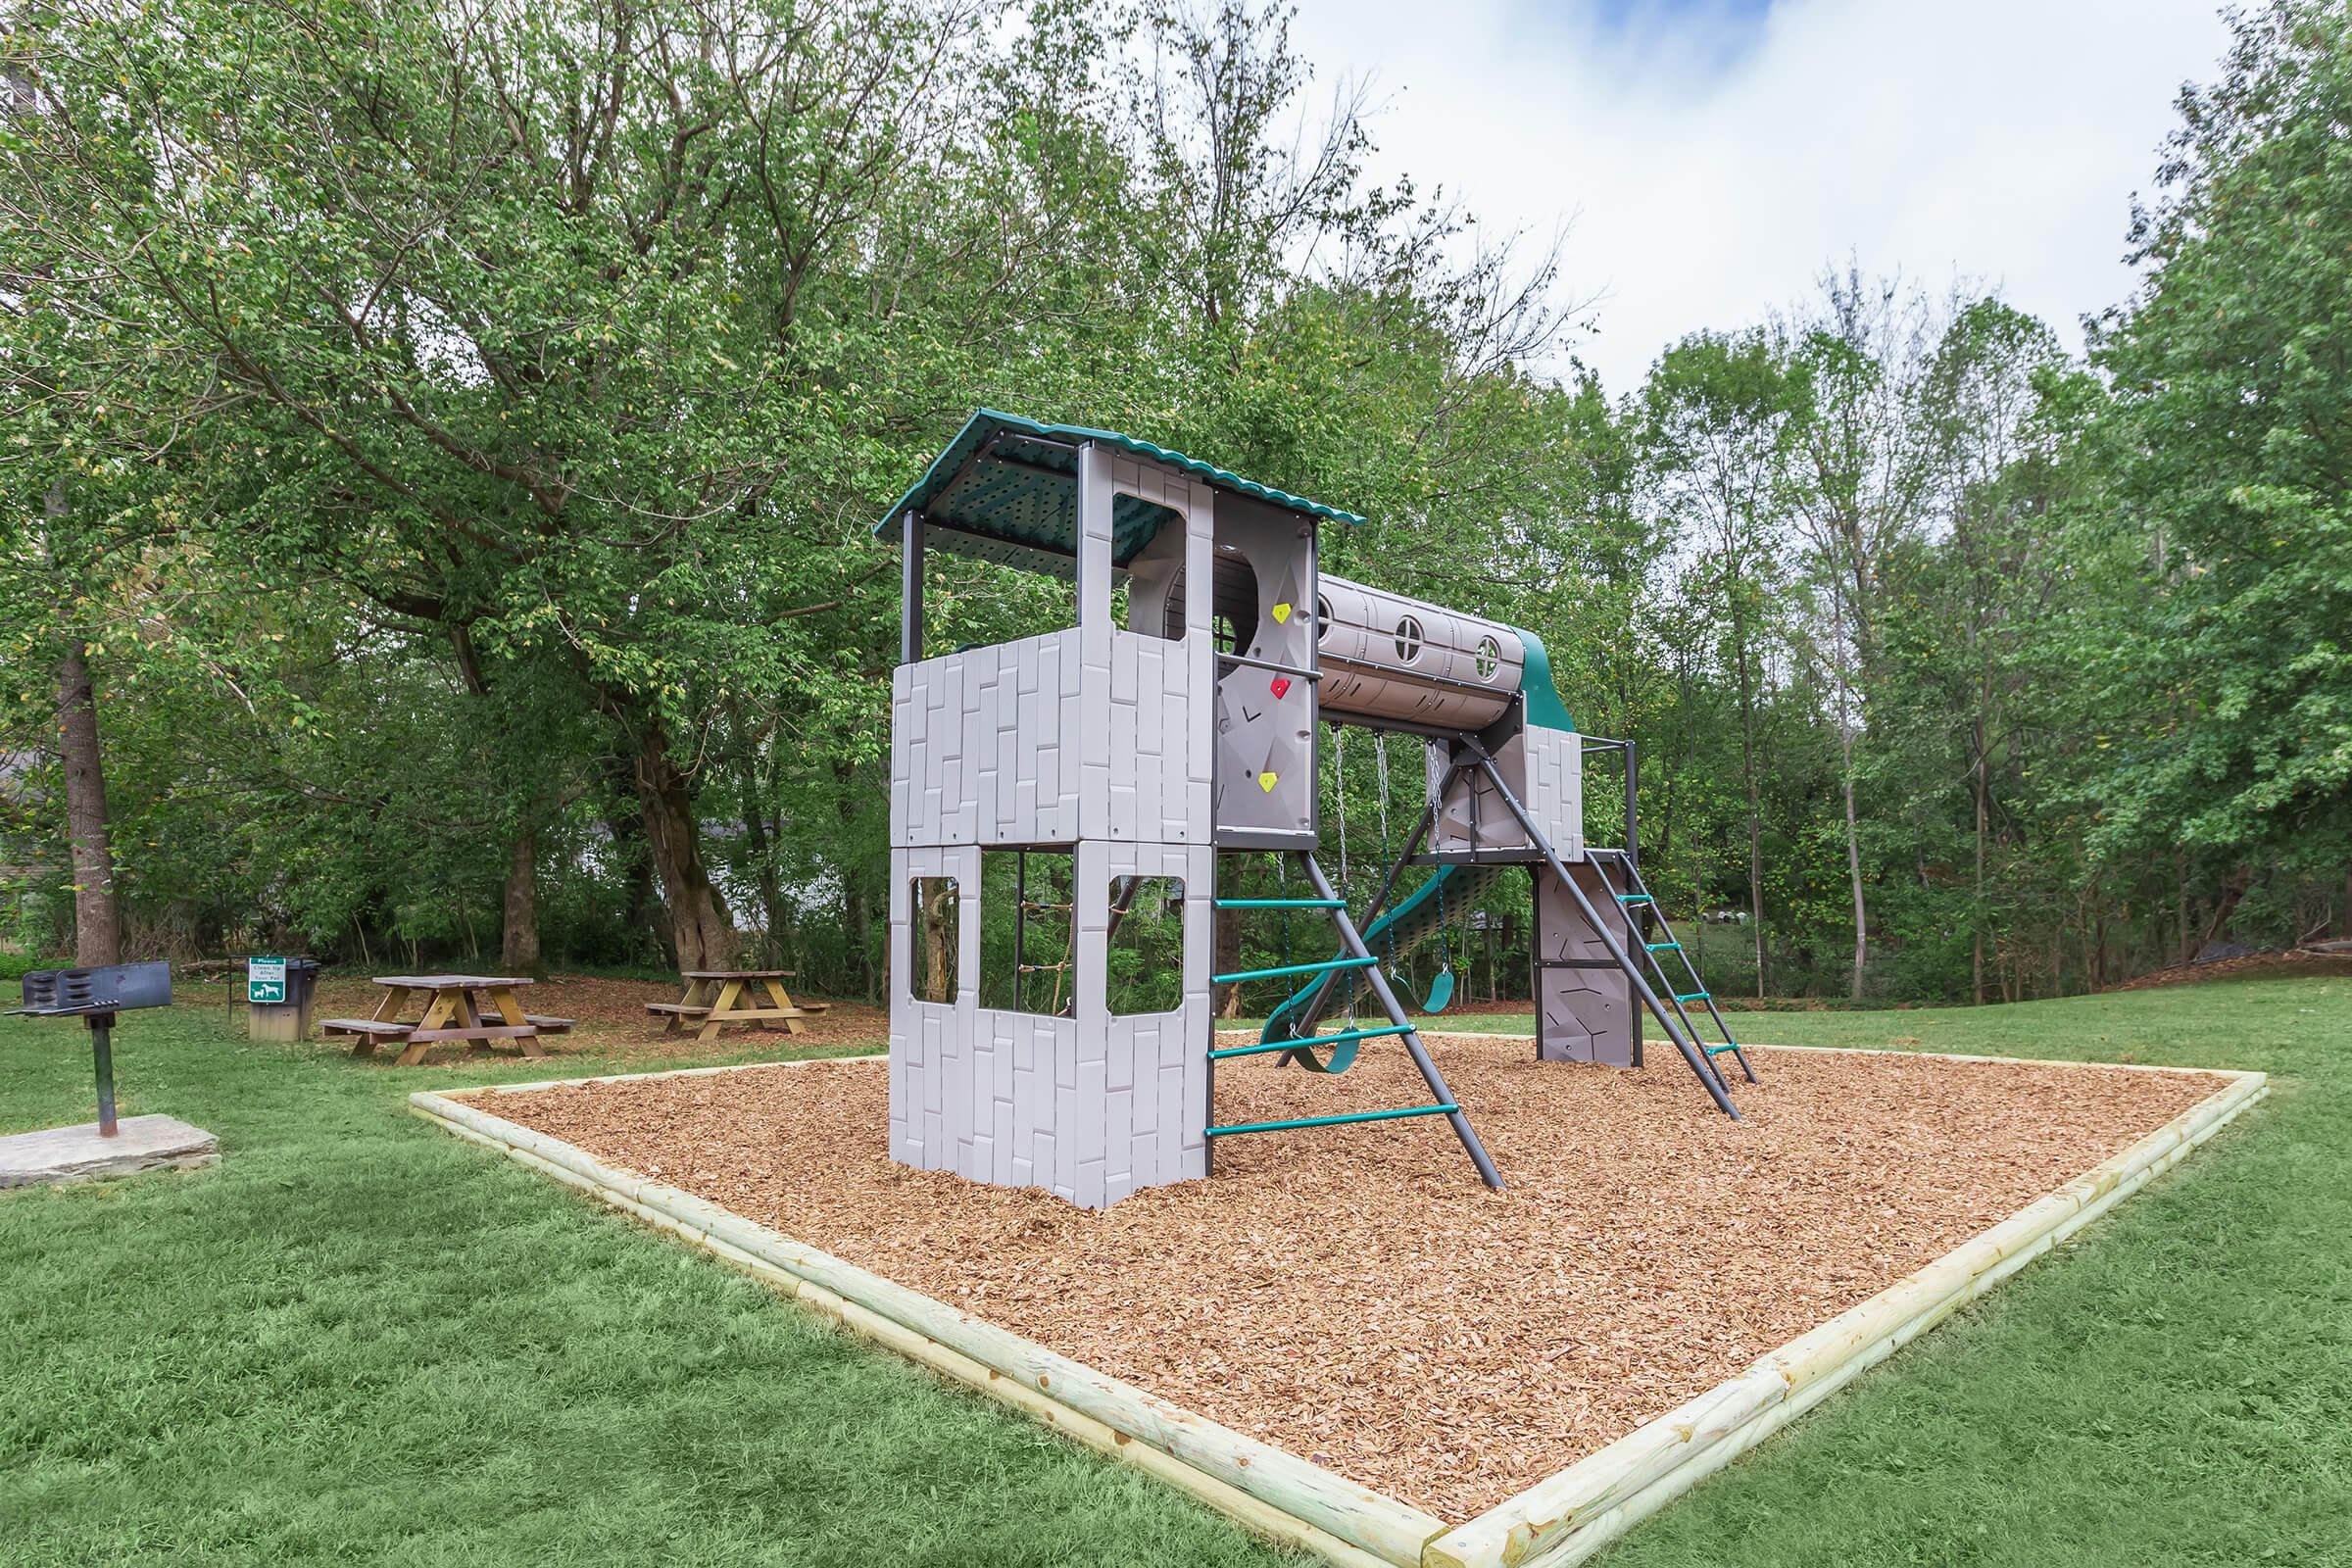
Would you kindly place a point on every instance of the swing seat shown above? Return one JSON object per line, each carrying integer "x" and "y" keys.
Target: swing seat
{"x": 1342, "y": 1058}
{"x": 1441, "y": 990}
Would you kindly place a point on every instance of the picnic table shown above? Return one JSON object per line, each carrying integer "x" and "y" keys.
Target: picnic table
{"x": 455, "y": 1007}
{"x": 719, "y": 997}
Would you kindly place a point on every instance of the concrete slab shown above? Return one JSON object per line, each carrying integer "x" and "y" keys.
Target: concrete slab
{"x": 78, "y": 1155}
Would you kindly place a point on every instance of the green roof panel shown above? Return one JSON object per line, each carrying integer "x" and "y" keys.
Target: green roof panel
{"x": 1008, "y": 478}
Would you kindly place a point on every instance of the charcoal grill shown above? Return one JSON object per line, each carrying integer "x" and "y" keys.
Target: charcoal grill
{"x": 95, "y": 996}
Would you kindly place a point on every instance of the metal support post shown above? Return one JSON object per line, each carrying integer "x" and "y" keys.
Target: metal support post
{"x": 911, "y": 591}
{"x": 1353, "y": 941}
{"x": 102, "y": 1048}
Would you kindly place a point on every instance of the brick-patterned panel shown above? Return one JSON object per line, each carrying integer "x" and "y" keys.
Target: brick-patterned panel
{"x": 985, "y": 745}
{"x": 1093, "y": 736}
{"x": 1554, "y": 793}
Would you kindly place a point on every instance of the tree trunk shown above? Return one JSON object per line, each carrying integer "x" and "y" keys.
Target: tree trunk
{"x": 518, "y": 944}
{"x": 702, "y": 931}
{"x": 518, "y": 939}
{"x": 645, "y": 914}
{"x": 1227, "y": 926}
{"x": 751, "y": 804}
{"x": 1755, "y": 813}
{"x": 97, "y": 916}
{"x": 1854, "y": 841}
{"x": 2180, "y": 902}
{"x": 2233, "y": 889}
{"x": 860, "y": 911}
{"x": 872, "y": 958}
{"x": 1975, "y": 918}
{"x": 938, "y": 914}
{"x": 1853, "y": 870}
{"x": 2098, "y": 933}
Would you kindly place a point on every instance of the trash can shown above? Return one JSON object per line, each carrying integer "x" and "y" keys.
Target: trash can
{"x": 277, "y": 997}
{"x": 302, "y": 985}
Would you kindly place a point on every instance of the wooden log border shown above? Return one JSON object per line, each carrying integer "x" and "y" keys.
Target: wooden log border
{"x": 1266, "y": 1489}
{"x": 1559, "y": 1521}
{"x": 1567, "y": 1517}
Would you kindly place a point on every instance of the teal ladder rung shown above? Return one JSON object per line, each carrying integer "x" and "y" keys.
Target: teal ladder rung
{"x": 1281, "y": 904}
{"x": 1728, "y": 1044}
{"x": 1634, "y": 897}
{"x": 1695, "y": 996}
{"x": 1340, "y": 1039}
{"x": 1282, "y": 969}
{"x": 1663, "y": 947}
{"x": 1329, "y": 1121}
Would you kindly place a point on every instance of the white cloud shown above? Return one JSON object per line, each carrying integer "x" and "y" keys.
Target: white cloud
{"x": 1999, "y": 140}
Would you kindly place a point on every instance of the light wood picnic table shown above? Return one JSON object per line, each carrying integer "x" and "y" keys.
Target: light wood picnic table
{"x": 455, "y": 1007}
{"x": 717, "y": 996}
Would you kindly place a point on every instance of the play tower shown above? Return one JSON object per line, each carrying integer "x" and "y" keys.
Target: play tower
{"x": 1178, "y": 720}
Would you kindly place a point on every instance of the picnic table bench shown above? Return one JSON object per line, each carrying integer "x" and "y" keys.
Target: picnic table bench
{"x": 716, "y": 998}
{"x": 457, "y": 1007}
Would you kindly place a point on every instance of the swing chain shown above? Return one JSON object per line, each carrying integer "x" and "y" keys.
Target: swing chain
{"x": 1339, "y": 776}
{"x": 1281, "y": 885}
{"x": 1380, "y": 769}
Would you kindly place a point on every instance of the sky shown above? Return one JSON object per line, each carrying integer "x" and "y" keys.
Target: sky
{"x": 1710, "y": 158}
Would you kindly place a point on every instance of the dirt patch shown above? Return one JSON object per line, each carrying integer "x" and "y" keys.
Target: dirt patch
{"x": 1354, "y": 1295}
{"x": 2301, "y": 964}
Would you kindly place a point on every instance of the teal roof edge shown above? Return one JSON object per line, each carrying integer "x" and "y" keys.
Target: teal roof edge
{"x": 1544, "y": 705}
{"x": 985, "y": 423}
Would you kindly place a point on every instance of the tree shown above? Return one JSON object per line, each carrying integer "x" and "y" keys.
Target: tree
{"x": 1857, "y": 494}
{"x": 2232, "y": 447}
{"x": 97, "y": 913}
{"x": 542, "y": 329}
{"x": 1726, "y": 422}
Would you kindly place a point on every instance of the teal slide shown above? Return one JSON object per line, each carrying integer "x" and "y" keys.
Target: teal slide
{"x": 1414, "y": 919}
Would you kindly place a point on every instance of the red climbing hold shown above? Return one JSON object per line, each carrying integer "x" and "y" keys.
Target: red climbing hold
{"x": 1282, "y": 685}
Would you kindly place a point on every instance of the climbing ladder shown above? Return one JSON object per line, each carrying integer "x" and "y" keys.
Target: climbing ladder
{"x": 1355, "y": 959}
{"x": 1675, "y": 1021}
{"x": 1641, "y": 905}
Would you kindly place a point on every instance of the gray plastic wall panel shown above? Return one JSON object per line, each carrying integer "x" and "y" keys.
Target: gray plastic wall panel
{"x": 1151, "y": 725}
{"x": 1099, "y": 737}
{"x": 1091, "y": 1113}
{"x": 1553, "y": 768}
{"x": 1472, "y": 814}
{"x": 1544, "y": 769}
{"x": 1583, "y": 1013}
{"x": 925, "y": 1037}
{"x": 984, "y": 744}
{"x": 1265, "y": 720}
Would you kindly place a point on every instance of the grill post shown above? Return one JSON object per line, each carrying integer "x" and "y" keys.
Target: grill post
{"x": 102, "y": 1048}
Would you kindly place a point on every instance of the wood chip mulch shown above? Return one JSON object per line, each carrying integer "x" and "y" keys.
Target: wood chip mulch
{"x": 1352, "y": 1294}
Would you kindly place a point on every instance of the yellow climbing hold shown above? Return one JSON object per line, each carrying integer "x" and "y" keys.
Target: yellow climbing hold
{"x": 1265, "y": 781}
{"x": 1282, "y": 612}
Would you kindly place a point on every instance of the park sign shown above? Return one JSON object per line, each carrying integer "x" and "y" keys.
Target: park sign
{"x": 265, "y": 980}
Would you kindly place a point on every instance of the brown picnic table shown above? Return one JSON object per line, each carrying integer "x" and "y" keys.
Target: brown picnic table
{"x": 716, "y": 998}
{"x": 455, "y": 1007}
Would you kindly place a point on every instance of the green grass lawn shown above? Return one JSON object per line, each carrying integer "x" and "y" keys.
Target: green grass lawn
{"x": 360, "y": 1340}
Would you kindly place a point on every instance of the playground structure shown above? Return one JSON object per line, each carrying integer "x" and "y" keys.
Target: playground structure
{"x": 1154, "y": 740}
{"x": 1514, "y": 1388}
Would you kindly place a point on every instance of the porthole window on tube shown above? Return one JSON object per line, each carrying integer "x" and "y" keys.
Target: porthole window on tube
{"x": 1322, "y": 618}
{"x": 1490, "y": 658}
{"x": 1408, "y": 639}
